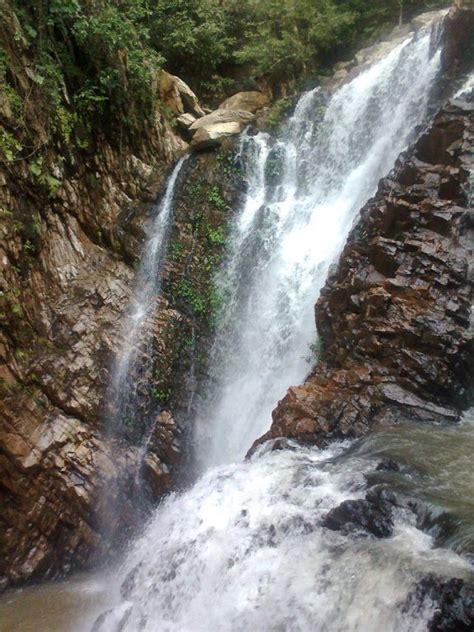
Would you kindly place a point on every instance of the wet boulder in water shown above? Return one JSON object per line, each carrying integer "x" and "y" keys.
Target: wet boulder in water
{"x": 454, "y": 603}
{"x": 372, "y": 515}
{"x": 388, "y": 465}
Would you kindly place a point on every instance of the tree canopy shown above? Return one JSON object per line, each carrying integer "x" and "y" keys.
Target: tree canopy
{"x": 90, "y": 63}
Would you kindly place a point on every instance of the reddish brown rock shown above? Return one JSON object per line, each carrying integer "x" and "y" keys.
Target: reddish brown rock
{"x": 393, "y": 317}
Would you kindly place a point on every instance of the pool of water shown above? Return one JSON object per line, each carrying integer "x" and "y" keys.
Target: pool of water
{"x": 63, "y": 606}
{"x": 435, "y": 468}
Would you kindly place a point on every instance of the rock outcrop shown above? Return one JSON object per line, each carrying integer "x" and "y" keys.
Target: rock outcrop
{"x": 394, "y": 315}
{"x": 251, "y": 101}
{"x": 68, "y": 255}
{"x": 178, "y": 96}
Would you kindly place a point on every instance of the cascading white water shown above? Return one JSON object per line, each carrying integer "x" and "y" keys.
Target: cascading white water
{"x": 303, "y": 193}
{"x": 124, "y": 387}
{"x": 244, "y": 549}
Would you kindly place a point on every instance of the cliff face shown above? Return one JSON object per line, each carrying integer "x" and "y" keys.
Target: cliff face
{"x": 71, "y": 234}
{"x": 70, "y": 243}
{"x": 393, "y": 318}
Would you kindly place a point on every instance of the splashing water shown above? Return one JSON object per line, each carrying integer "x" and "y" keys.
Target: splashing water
{"x": 304, "y": 191}
{"x": 244, "y": 548}
{"x": 125, "y": 388}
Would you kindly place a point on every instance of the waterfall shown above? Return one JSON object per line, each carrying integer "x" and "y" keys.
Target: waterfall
{"x": 243, "y": 549}
{"x": 304, "y": 191}
{"x": 130, "y": 376}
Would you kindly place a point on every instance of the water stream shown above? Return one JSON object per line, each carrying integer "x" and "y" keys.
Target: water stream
{"x": 243, "y": 549}
{"x": 304, "y": 191}
{"x": 130, "y": 375}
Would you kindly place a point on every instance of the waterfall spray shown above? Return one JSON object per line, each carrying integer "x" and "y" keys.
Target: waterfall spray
{"x": 244, "y": 549}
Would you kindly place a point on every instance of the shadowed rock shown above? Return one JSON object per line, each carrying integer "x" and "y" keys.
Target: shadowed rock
{"x": 393, "y": 317}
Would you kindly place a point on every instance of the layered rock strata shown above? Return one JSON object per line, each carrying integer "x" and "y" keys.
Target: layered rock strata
{"x": 68, "y": 259}
{"x": 394, "y": 315}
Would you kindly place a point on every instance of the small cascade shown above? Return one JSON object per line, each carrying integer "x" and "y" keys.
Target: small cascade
{"x": 129, "y": 394}
{"x": 304, "y": 191}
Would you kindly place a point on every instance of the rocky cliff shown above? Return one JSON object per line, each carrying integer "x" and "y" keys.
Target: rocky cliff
{"x": 72, "y": 228}
{"x": 394, "y": 315}
{"x": 71, "y": 236}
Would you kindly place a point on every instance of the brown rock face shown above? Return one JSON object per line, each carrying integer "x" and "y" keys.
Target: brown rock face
{"x": 68, "y": 256}
{"x": 394, "y": 315}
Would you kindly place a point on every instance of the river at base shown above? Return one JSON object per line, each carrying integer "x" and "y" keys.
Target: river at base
{"x": 60, "y": 606}
{"x": 435, "y": 468}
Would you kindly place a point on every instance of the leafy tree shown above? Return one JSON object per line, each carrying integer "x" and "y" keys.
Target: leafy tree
{"x": 194, "y": 36}
{"x": 285, "y": 39}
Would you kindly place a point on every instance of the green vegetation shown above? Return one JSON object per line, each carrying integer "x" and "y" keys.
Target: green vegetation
{"x": 176, "y": 250}
{"x": 88, "y": 66}
{"x": 162, "y": 395}
{"x": 215, "y": 198}
{"x": 191, "y": 295}
{"x": 88, "y": 63}
{"x": 210, "y": 42}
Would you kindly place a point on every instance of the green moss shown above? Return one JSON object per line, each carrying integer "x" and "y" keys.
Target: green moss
{"x": 216, "y": 236}
{"x": 227, "y": 163}
{"x": 162, "y": 395}
{"x": 191, "y": 296}
{"x": 215, "y": 198}
{"x": 176, "y": 250}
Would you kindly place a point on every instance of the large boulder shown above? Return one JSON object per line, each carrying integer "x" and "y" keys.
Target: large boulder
{"x": 212, "y": 135}
{"x": 177, "y": 95}
{"x": 242, "y": 117}
{"x": 211, "y": 129}
{"x": 249, "y": 101}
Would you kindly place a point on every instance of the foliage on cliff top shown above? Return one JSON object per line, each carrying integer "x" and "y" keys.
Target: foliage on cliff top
{"x": 70, "y": 68}
{"x": 216, "y": 44}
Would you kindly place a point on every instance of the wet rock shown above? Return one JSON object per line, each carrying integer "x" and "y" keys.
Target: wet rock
{"x": 454, "y": 603}
{"x": 393, "y": 317}
{"x": 371, "y": 515}
{"x": 283, "y": 444}
{"x": 387, "y": 464}
{"x": 436, "y": 521}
